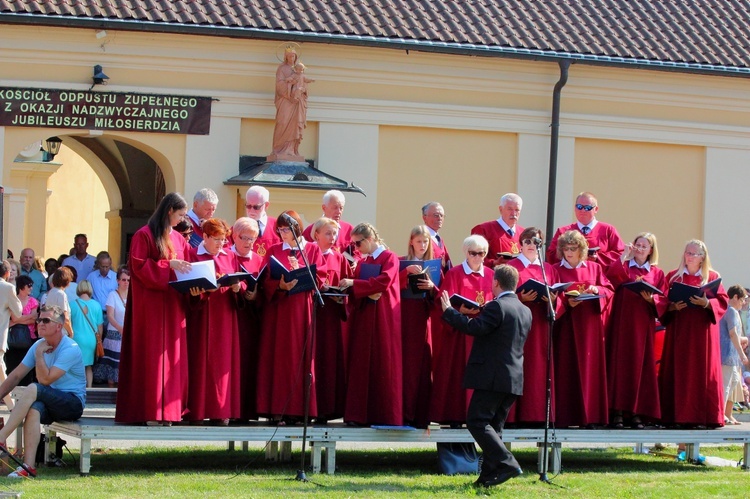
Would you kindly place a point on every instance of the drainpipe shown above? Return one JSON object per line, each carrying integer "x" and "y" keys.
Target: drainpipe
{"x": 554, "y": 143}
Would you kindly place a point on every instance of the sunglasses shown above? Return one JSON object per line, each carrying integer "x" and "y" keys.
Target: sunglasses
{"x": 357, "y": 243}
{"x": 585, "y": 207}
{"x": 527, "y": 242}
{"x": 477, "y": 253}
{"x": 255, "y": 207}
{"x": 46, "y": 320}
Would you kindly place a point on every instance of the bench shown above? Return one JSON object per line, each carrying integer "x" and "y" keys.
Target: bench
{"x": 324, "y": 438}
{"x": 98, "y": 423}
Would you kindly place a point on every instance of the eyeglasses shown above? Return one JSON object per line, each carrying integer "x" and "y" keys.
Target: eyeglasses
{"x": 571, "y": 248}
{"x": 357, "y": 243}
{"x": 255, "y": 207}
{"x": 476, "y": 253}
{"x": 247, "y": 239}
{"x": 284, "y": 230}
{"x": 690, "y": 253}
{"x": 46, "y": 320}
{"x": 641, "y": 248}
{"x": 125, "y": 280}
{"x": 585, "y": 207}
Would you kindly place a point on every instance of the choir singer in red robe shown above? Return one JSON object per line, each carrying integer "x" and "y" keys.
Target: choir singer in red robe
{"x": 530, "y": 409}
{"x": 416, "y": 338}
{"x": 690, "y": 379}
{"x": 374, "y": 393}
{"x": 244, "y": 234}
{"x": 285, "y": 351}
{"x": 154, "y": 363}
{"x": 213, "y": 336}
{"x": 472, "y": 280}
{"x": 578, "y": 344}
{"x": 502, "y": 234}
{"x": 331, "y": 340}
{"x": 632, "y": 384}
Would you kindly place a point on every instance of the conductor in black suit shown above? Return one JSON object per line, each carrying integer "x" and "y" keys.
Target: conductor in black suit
{"x": 494, "y": 371}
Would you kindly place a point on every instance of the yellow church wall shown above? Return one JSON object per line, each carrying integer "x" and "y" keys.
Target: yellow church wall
{"x": 644, "y": 187}
{"x": 77, "y": 204}
{"x": 465, "y": 171}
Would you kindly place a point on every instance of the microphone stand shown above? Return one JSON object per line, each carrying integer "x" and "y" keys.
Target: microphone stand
{"x": 548, "y": 409}
{"x": 309, "y": 345}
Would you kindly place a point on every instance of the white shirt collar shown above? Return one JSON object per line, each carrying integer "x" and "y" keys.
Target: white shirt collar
{"x": 505, "y": 226}
{"x": 328, "y": 251}
{"x": 263, "y": 219}
{"x": 503, "y": 293}
{"x": 564, "y": 263}
{"x": 203, "y": 251}
{"x": 646, "y": 265}
{"x": 378, "y": 251}
{"x": 432, "y": 232}
{"x": 194, "y": 217}
{"x": 468, "y": 270}
{"x": 591, "y": 225}
{"x": 287, "y": 246}
{"x": 248, "y": 255}
{"x": 526, "y": 262}
{"x": 688, "y": 273}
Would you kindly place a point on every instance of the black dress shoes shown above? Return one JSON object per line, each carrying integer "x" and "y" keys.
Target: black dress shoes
{"x": 501, "y": 477}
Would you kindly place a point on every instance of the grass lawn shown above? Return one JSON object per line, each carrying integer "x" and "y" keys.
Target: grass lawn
{"x": 216, "y": 472}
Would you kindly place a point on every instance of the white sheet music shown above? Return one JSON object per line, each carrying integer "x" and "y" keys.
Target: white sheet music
{"x": 205, "y": 269}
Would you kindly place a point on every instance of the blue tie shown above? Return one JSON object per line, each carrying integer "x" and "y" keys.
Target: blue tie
{"x": 585, "y": 229}
{"x": 510, "y": 232}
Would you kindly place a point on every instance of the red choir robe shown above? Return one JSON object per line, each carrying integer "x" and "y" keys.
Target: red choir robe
{"x": 603, "y": 236}
{"x": 450, "y": 399}
{"x": 416, "y": 347}
{"x": 690, "y": 378}
{"x": 268, "y": 238}
{"x": 374, "y": 391}
{"x": 331, "y": 340}
{"x": 632, "y": 384}
{"x": 579, "y": 354}
{"x": 248, "y": 325}
{"x": 440, "y": 250}
{"x": 499, "y": 241}
{"x": 531, "y": 407}
{"x": 214, "y": 346}
{"x": 197, "y": 235}
{"x": 285, "y": 350}
{"x": 154, "y": 361}
{"x": 343, "y": 239}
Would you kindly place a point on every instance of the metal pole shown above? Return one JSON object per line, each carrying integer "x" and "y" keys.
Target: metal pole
{"x": 553, "y": 147}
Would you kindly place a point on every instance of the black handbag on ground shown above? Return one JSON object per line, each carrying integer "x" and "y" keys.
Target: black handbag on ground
{"x": 458, "y": 458}
{"x": 19, "y": 337}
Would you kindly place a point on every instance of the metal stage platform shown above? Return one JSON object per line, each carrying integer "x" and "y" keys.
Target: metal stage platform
{"x": 323, "y": 439}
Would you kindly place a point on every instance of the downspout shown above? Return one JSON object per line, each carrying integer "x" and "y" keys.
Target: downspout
{"x": 553, "y": 147}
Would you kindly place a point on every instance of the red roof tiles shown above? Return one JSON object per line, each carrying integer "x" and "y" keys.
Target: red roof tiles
{"x": 715, "y": 32}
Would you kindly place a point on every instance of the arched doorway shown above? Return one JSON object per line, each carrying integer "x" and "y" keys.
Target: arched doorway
{"x": 131, "y": 178}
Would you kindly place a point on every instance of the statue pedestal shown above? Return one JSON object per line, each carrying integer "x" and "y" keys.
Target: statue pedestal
{"x": 293, "y": 158}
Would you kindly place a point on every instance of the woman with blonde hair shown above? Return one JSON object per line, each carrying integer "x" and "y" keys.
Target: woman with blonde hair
{"x": 86, "y": 316}
{"x": 632, "y": 383}
{"x": 331, "y": 340}
{"x": 693, "y": 396}
{"x": 472, "y": 280}
{"x": 375, "y": 391}
{"x": 416, "y": 335}
{"x": 244, "y": 234}
{"x": 580, "y": 366}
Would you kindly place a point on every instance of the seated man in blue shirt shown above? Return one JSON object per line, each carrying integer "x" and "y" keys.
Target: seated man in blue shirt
{"x": 60, "y": 393}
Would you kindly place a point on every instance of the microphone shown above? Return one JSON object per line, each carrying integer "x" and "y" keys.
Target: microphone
{"x": 537, "y": 241}
{"x": 289, "y": 220}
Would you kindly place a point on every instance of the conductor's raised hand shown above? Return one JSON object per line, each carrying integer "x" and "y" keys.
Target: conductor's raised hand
{"x": 445, "y": 301}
